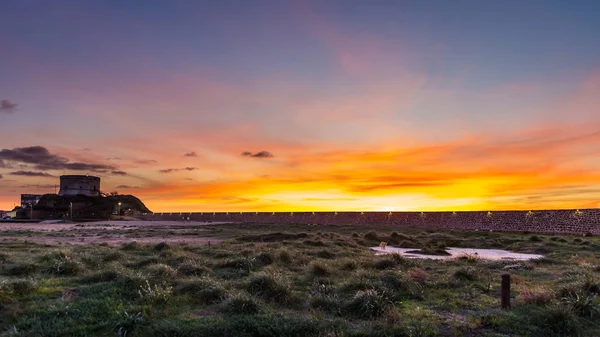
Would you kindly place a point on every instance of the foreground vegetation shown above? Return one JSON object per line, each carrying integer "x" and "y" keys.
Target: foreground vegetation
{"x": 298, "y": 280}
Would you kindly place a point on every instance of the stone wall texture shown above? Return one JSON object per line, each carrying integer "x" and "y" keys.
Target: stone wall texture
{"x": 584, "y": 221}
{"x": 79, "y": 185}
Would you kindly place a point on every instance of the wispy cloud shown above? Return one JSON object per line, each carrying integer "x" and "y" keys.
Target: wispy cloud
{"x": 191, "y": 154}
{"x": 170, "y": 170}
{"x": 7, "y": 106}
{"x": 30, "y": 174}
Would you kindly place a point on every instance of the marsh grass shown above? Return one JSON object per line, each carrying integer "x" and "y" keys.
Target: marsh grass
{"x": 298, "y": 280}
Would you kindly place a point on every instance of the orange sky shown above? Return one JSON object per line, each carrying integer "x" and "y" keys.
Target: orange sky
{"x": 358, "y": 112}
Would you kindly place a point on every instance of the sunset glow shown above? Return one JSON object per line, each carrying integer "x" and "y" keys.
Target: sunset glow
{"x": 305, "y": 106}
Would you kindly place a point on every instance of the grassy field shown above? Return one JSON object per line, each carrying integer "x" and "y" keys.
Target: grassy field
{"x": 297, "y": 280}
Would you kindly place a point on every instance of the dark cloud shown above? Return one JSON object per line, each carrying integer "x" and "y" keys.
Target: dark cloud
{"x": 1, "y": 176}
{"x": 126, "y": 187}
{"x": 119, "y": 173}
{"x": 178, "y": 169}
{"x": 42, "y": 159}
{"x": 7, "y": 106}
{"x": 191, "y": 154}
{"x": 30, "y": 174}
{"x": 261, "y": 154}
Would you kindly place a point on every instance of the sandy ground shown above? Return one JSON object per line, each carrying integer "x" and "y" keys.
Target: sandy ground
{"x": 487, "y": 254}
{"x": 109, "y": 232}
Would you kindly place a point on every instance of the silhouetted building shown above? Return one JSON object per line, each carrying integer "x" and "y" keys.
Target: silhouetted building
{"x": 79, "y": 185}
{"x": 28, "y": 200}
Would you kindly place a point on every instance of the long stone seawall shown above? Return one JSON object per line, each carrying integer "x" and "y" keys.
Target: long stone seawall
{"x": 584, "y": 221}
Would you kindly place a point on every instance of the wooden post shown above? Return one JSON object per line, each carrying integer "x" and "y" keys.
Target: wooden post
{"x": 505, "y": 291}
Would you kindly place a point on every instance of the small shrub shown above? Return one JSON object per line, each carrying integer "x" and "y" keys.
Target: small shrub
{"x": 535, "y": 296}
{"x": 355, "y": 235}
{"x": 417, "y": 274}
{"x": 535, "y": 238}
{"x": 263, "y": 259}
{"x": 241, "y": 305}
{"x": 583, "y": 304}
{"x": 369, "y": 304}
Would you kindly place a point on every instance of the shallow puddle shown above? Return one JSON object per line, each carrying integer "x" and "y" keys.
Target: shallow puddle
{"x": 488, "y": 254}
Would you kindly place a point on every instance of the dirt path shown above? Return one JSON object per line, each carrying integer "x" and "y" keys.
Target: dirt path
{"x": 113, "y": 233}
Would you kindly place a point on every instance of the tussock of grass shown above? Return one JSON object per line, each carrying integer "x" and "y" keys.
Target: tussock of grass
{"x": 268, "y": 287}
{"x": 325, "y": 254}
{"x": 535, "y": 296}
{"x": 368, "y": 304}
{"x": 385, "y": 263}
{"x": 193, "y": 269}
{"x": 318, "y": 268}
{"x": 372, "y": 236}
{"x": 23, "y": 269}
{"x": 465, "y": 274}
{"x": 161, "y": 246}
{"x": 263, "y": 259}
{"x": 102, "y": 276}
{"x": 63, "y": 264}
{"x": 241, "y": 305}
{"x": 19, "y": 287}
{"x": 162, "y": 271}
{"x": 133, "y": 245}
{"x": 284, "y": 256}
{"x": 205, "y": 291}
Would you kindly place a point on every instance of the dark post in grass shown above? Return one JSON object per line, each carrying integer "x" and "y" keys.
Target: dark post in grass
{"x": 505, "y": 291}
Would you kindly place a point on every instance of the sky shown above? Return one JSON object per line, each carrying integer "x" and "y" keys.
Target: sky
{"x": 304, "y": 105}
